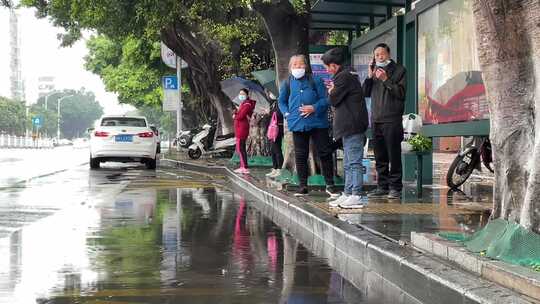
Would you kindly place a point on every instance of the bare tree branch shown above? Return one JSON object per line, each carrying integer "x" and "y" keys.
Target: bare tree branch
{"x": 6, "y": 3}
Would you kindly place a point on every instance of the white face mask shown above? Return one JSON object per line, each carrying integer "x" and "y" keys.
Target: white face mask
{"x": 298, "y": 73}
{"x": 242, "y": 97}
{"x": 382, "y": 64}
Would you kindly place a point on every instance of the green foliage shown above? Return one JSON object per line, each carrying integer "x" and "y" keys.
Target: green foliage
{"x": 49, "y": 118}
{"x": 420, "y": 143}
{"x": 338, "y": 38}
{"x": 126, "y": 52}
{"x": 164, "y": 121}
{"x": 77, "y": 113}
{"x": 248, "y": 33}
{"x": 12, "y": 116}
{"x": 131, "y": 68}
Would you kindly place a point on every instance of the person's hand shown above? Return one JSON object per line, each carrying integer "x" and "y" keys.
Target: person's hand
{"x": 370, "y": 71}
{"x": 305, "y": 111}
{"x": 381, "y": 74}
{"x": 330, "y": 86}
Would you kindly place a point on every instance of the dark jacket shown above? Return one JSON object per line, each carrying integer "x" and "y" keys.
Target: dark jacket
{"x": 347, "y": 98}
{"x": 241, "y": 119}
{"x": 388, "y": 97}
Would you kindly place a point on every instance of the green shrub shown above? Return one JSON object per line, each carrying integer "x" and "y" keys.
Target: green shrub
{"x": 420, "y": 143}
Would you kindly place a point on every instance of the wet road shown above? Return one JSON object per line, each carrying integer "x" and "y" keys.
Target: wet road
{"x": 123, "y": 234}
{"x": 19, "y": 165}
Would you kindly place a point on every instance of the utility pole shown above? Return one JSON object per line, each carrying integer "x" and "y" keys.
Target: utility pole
{"x": 47, "y": 98}
{"x": 58, "y": 117}
{"x": 179, "y": 109}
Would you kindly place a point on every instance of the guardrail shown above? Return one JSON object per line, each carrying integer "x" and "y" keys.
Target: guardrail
{"x": 22, "y": 142}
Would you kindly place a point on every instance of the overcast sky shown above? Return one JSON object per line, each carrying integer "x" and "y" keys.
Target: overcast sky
{"x": 41, "y": 55}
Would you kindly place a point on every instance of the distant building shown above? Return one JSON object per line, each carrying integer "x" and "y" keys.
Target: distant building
{"x": 16, "y": 82}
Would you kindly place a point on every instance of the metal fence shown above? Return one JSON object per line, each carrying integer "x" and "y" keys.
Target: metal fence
{"x": 18, "y": 142}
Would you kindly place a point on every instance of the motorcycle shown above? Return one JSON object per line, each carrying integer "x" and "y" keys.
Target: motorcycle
{"x": 205, "y": 142}
{"x": 186, "y": 137}
{"x": 476, "y": 153}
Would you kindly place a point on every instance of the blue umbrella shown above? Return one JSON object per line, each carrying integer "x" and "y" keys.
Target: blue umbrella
{"x": 231, "y": 87}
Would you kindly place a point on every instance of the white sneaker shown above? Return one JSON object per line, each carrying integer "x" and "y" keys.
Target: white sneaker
{"x": 271, "y": 173}
{"x": 335, "y": 203}
{"x": 277, "y": 173}
{"x": 353, "y": 201}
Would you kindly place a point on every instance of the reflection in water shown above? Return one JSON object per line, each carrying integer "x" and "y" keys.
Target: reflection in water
{"x": 173, "y": 246}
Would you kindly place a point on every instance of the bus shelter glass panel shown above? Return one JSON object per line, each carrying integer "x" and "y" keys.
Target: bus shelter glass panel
{"x": 450, "y": 84}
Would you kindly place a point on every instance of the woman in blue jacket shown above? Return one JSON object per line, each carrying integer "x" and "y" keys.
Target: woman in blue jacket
{"x": 302, "y": 100}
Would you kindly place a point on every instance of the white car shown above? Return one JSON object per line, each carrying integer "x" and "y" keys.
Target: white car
{"x": 123, "y": 139}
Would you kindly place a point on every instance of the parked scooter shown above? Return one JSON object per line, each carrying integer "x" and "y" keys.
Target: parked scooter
{"x": 476, "y": 153}
{"x": 186, "y": 137}
{"x": 205, "y": 142}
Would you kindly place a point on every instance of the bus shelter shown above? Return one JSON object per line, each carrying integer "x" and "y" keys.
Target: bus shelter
{"x": 435, "y": 40}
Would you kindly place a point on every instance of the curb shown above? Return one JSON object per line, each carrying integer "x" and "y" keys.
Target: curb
{"x": 520, "y": 279}
{"x": 380, "y": 269}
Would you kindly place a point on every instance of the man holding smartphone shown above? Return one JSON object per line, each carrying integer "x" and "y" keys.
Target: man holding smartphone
{"x": 386, "y": 86}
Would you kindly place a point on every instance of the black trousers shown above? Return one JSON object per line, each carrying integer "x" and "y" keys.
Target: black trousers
{"x": 321, "y": 140}
{"x": 277, "y": 154}
{"x": 387, "y": 138}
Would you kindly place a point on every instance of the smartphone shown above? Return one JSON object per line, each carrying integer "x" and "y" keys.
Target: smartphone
{"x": 328, "y": 83}
{"x": 373, "y": 65}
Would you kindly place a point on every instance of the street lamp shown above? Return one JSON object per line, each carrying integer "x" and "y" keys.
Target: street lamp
{"x": 48, "y": 95}
{"x": 58, "y": 117}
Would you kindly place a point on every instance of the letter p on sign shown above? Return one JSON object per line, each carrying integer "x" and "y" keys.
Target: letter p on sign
{"x": 170, "y": 83}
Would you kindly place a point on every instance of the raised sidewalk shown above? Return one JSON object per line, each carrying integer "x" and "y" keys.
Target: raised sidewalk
{"x": 370, "y": 247}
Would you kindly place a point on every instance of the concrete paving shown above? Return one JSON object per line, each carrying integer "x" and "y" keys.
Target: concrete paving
{"x": 438, "y": 208}
{"x": 370, "y": 250}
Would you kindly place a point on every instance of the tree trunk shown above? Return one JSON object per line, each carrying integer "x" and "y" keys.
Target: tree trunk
{"x": 203, "y": 57}
{"x": 508, "y": 33}
{"x": 289, "y": 33}
{"x": 257, "y": 142}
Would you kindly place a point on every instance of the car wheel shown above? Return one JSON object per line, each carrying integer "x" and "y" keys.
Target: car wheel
{"x": 158, "y": 150}
{"x": 94, "y": 163}
{"x": 151, "y": 163}
{"x": 194, "y": 153}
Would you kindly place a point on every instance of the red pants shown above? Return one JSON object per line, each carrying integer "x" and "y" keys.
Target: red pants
{"x": 241, "y": 151}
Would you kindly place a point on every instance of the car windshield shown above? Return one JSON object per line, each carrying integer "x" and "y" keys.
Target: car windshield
{"x": 123, "y": 121}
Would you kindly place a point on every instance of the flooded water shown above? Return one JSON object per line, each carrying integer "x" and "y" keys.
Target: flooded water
{"x": 154, "y": 245}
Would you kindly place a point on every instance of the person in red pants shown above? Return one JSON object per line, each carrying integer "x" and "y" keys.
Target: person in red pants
{"x": 241, "y": 128}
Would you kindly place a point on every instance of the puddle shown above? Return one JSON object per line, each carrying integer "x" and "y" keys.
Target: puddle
{"x": 188, "y": 245}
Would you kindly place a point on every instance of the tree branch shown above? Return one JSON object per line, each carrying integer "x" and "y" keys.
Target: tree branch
{"x": 6, "y": 3}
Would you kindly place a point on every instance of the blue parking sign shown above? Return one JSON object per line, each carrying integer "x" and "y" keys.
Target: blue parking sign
{"x": 37, "y": 121}
{"x": 170, "y": 83}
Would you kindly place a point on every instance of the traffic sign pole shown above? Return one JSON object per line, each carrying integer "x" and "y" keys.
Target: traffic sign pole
{"x": 179, "y": 108}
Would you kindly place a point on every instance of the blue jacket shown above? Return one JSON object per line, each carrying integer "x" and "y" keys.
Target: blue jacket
{"x": 302, "y": 93}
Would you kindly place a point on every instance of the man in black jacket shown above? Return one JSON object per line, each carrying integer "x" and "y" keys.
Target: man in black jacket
{"x": 350, "y": 123}
{"x": 386, "y": 87}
